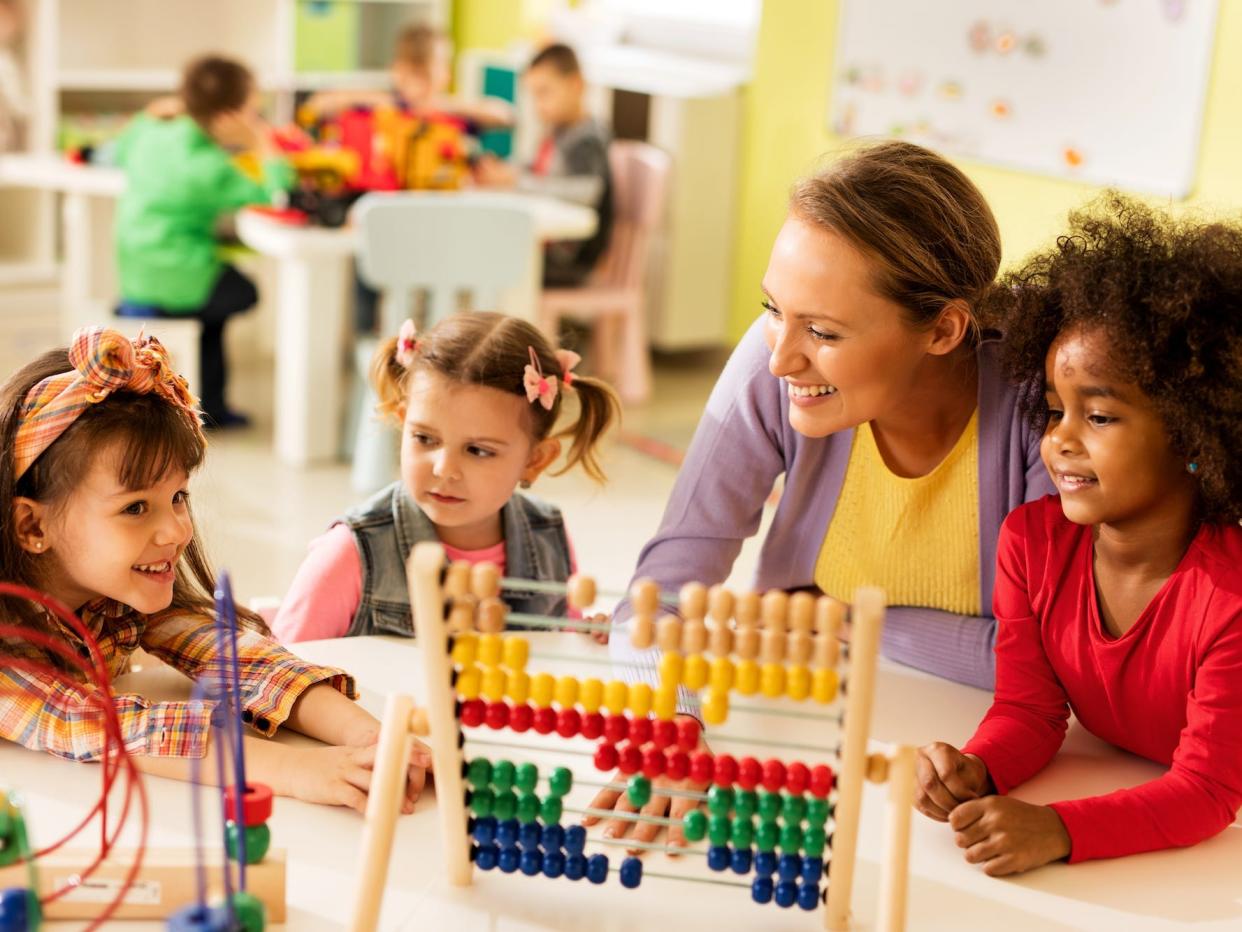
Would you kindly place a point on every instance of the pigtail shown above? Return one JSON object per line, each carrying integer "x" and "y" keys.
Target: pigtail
{"x": 598, "y": 410}
{"x": 388, "y": 380}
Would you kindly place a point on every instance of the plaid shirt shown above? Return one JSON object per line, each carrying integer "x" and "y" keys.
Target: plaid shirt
{"x": 45, "y": 715}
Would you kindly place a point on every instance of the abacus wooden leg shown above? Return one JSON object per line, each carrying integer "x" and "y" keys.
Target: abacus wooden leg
{"x": 866, "y": 624}
{"x": 383, "y": 808}
{"x": 894, "y": 878}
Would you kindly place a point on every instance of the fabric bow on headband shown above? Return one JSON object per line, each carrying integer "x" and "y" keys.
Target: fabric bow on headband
{"x": 407, "y": 344}
{"x": 543, "y": 388}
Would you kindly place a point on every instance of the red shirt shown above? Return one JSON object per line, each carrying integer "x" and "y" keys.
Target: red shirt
{"x": 1169, "y": 689}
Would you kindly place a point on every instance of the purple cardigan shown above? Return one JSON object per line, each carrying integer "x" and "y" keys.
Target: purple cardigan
{"x": 744, "y": 442}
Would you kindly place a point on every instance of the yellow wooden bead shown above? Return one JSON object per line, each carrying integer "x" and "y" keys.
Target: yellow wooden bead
{"x": 517, "y": 685}
{"x": 716, "y": 708}
{"x": 772, "y": 680}
{"x": 517, "y": 652}
{"x": 824, "y": 685}
{"x": 493, "y": 684}
{"x": 665, "y": 703}
{"x": 640, "y": 699}
{"x": 672, "y": 665}
{"x": 616, "y": 695}
{"x": 695, "y": 674}
{"x": 566, "y": 691}
{"x": 722, "y": 674}
{"x": 746, "y": 677}
{"x": 469, "y": 681}
{"x": 797, "y": 682}
{"x": 591, "y": 694}
{"x": 542, "y": 689}
{"x": 465, "y": 649}
{"x": 491, "y": 649}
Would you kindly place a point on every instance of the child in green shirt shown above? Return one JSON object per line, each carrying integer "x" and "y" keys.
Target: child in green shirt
{"x": 180, "y": 179}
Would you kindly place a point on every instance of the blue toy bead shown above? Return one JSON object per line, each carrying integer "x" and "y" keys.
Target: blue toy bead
{"x": 597, "y": 868}
{"x": 486, "y": 856}
{"x": 812, "y": 869}
{"x": 532, "y": 862}
{"x": 631, "y": 873}
{"x": 509, "y": 859}
{"x": 575, "y": 839}
{"x": 575, "y": 867}
{"x": 741, "y": 860}
{"x": 718, "y": 857}
{"x": 529, "y": 835}
{"x": 553, "y": 864}
{"x": 507, "y": 833}
{"x": 765, "y": 863}
{"x": 553, "y": 838}
{"x": 485, "y": 830}
{"x": 808, "y": 896}
{"x": 192, "y": 918}
{"x": 19, "y": 911}
{"x": 789, "y": 867}
{"x": 761, "y": 890}
{"x": 786, "y": 894}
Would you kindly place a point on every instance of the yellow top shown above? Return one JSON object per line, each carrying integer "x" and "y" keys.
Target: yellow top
{"x": 917, "y": 539}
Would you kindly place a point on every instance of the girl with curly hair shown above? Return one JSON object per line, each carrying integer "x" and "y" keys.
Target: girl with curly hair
{"x": 1121, "y": 601}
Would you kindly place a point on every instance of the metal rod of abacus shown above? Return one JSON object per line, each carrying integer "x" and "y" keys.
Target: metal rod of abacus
{"x": 660, "y": 875}
{"x": 527, "y": 620}
{"x": 838, "y": 719}
{"x": 560, "y": 588}
{"x": 645, "y": 846}
{"x": 622, "y": 816}
{"x": 671, "y": 792}
{"x": 773, "y": 743}
{"x": 532, "y": 748}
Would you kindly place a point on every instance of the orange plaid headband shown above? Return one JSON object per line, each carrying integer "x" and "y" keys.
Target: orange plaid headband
{"x": 104, "y": 361}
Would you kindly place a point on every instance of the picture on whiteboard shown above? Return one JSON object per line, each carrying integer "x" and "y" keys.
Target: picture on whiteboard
{"x": 988, "y": 79}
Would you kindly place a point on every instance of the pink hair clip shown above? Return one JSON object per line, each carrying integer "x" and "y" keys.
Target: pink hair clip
{"x": 567, "y": 360}
{"x": 539, "y": 387}
{"x": 407, "y": 345}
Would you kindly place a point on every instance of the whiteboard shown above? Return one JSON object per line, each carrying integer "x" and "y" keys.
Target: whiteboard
{"x": 1103, "y": 91}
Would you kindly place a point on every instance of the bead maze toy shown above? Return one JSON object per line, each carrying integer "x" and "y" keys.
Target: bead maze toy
{"x": 783, "y": 823}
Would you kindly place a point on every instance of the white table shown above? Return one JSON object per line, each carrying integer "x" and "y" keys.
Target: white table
{"x": 314, "y": 268}
{"x": 1199, "y": 887}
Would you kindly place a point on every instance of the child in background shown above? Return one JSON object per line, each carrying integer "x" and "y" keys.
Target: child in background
{"x": 477, "y": 398}
{"x": 180, "y": 181}
{"x": 99, "y": 442}
{"x": 1122, "y": 600}
{"x": 572, "y": 161}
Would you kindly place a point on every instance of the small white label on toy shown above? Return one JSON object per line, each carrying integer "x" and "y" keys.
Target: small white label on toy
{"x": 96, "y": 890}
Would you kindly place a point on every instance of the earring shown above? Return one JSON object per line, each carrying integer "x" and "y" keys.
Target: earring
{"x": 1192, "y": 468}
{"x": 525, "y": 483}
{"x": 38, "y": 545}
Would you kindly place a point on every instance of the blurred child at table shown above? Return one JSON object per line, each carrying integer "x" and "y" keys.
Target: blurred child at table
{"x": 572, "y": 161}
{"x": 180, "y": 181}
{"x": 478, "y": 399}
{"x": 99, "y": 441}
{"x": 1121, "y": 601}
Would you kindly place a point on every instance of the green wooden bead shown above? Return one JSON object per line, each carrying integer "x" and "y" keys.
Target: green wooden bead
{"x": 791, "y": 839}
{"x": 817, "y": 810}
{"x": 482, "y": 801}
{"x": 719, "y": 800}
{"x": 718, "y": 830}
{"x": 742, "y": 832}
{"x": 561, "y": 781}
{"x": 527, "y": 777}
{"x": 793, "y": 808}
{"x": 527, "y": 807}
{"x": 479, "y": 773}
{"x": 694, "y": 825}
{"x": 505, "y": 805}
{"x": 813, "y": 841}
{"x": 745, "y": 803}
{"x": 503, "y": 774}
{"x": 638, "y": 790}
{"x": 766, "y": 836}
{"x": 769, "y": 806}
{"x": 257, "y": 839}
{"x": 550, "y": 810}
{"x": 249, "y": 912}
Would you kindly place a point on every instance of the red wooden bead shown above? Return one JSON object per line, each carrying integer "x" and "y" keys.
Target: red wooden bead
{"x": 521, "y": 717}
{"x": 616, "y": 728}
{"x": 773, "y": 775}
{"x": 797, "y": 777}
{"x": 640, "y": 730}
{"x": 822, "y": 780}
{"x": 629, "y": 759}
{"x": 749, "y": 773}
{"x": 724, "y": 772}
{"x": 653, "y": 763}
{"x": 678, "y": 764}
{"x": 497, "y": 716}
{"x": 701, "y": 767}
{"x": 545, "y": 720}
{"x": 472, "y": 712}
{"x": 605, "y": 756}
{"x": 256, "y": 804}
{"x": 664, "y": 733}
{"x": 592, "y": 725}
{"x": 568, "y": 722}
{"x": 687, "y": 734}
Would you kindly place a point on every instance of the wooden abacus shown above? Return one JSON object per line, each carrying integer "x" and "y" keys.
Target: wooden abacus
{"x": 776, "y": 645}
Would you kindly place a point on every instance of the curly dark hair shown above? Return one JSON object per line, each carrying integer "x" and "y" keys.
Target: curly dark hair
{"x": 1167, "y": 293}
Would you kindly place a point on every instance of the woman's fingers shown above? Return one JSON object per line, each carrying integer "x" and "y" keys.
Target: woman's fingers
{"x": 646, "y": 832}
{"x": 616, "y": 828}
{"x": 604, "y": 799}
{"x": 677, "y": 811}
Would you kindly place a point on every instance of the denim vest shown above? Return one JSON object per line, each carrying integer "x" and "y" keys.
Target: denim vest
{"x": 389, "y": 524}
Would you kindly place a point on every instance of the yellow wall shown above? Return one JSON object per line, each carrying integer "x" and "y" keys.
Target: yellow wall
{"x": 785, "y": 129}
{"x": 486, "y": 24}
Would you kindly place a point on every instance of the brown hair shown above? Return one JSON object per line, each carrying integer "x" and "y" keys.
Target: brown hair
{"x": 929, "y": 232}
{"x": 213, "y": 85}
{"x": 152, "y": 436}
{"x": 559, "y": 57}
{"x": 478, "y": 348}
{"x": 416, "y": 46}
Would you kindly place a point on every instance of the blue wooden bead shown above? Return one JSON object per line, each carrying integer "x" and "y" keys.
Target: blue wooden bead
{"x": 786, "y": 894}
{"x": 808, "y": 896}
{"x": 597, "y": 868}
{"x": 192, "y": 918}
{"x": 553, "y": 838}
{"x": 575, "y": 839}
{"x": 765, "y": 863}
{"x": 789, "y": 867}
{"x": 529, "y": 835}
{"x": 509, "y": 859}
{"x": 532, "y": 862}
{"x": 553, "y": 864}
{"x": 718, "y": 857}
{"x": 631, "y": 873}
{"x": 507, "y": 833}
{"x": 741, "y": 860}
{"x": 761, "y": 890}
{"x": 575, "y": 866}
{"x": 486, "y": 856}
{"x": 485, "y": 830}
{"x": 812, "y": 869}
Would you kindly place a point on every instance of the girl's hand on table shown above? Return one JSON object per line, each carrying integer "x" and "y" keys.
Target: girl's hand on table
{"x": 341, "y": 776}
{"x": 947, "y": 778}
{"x": 1008, "y": 836}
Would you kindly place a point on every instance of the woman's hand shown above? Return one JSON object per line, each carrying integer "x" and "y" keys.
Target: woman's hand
{"x": 1008, "y": 836}
{"x": 600, "y": 636}
{"x": 946, "y": 779}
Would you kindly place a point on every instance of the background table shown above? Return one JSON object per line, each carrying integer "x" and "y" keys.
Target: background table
{"x": 1199, "y": 887}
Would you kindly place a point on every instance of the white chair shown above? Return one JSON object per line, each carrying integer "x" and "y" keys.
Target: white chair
{"x": 456, "y": 251}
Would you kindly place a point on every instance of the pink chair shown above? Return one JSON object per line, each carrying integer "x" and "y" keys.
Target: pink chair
{"x": 614, "y": 297}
